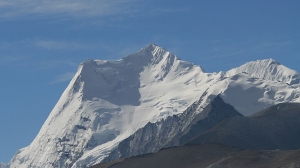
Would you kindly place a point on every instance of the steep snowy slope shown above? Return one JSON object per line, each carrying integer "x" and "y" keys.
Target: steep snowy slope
{"x": 248, "y": 94}
{"x": 268, "y": 69}
{"x": 243, "y": 91}
{"x": 108, "y": 101}
{"x": 174, "y": 130}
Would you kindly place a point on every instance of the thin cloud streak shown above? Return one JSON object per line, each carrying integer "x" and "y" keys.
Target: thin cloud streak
{"x": 55, "y": 64}
{"x": 47, "y": 44}
{"x": 235, "y": 53}
{"x": 63, "y": 78}
{"x": 227, "y": 55}
{"x": 60, "y": 45}
{"x": 72, "y": 8}
{"x": 282, "y": 43}
{"x": 269, "y": 46}
{"x": 10, "y": 59}
{"x": 7, "y": 45}
{"x": 159, "y": 11}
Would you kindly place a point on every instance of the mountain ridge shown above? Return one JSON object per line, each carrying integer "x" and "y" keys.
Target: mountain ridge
{"x": 217, "y": 152}
{"x": 178, "y": 128}
{"x": 107, "y": 101}
{"x": 209, "y": 156}
{"x": 276, "y": 127}
{"x": 268, "y": 69}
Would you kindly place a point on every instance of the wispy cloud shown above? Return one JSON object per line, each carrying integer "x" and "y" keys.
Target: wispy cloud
{"x": 67, "y": 9}
{"x": 216, "y": 41}
{"x": 72, "y": 8}
{"x": 47, "y": 44}
{"x": 275, "y": 44}
{"x": 10, "y": 59}
{"x": 8, "y": 45}
{"x": 63, "y": 78}
{"x": 234, "y": 53}
{"x": 53, "y": 64}
{"x": 237, "y": 53}
{"x": 158, "y": 11}
{"x": 59, "y": 45}
{"x": 272, "y": 45}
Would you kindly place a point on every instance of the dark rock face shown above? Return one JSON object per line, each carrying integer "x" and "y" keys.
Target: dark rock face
{"x": 234, "y": 142}
{"x": 218, "y": 110}
{"x": 174, "y": 130}
{"x": 277, "y": 127}
{"x": 210, "y": 155}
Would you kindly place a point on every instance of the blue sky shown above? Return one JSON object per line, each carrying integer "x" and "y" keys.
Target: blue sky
{"x": 43, "y": 42}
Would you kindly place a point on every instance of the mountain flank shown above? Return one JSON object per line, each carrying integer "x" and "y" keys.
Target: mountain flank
{"x": 210, "y": 156}
{"x": 277, "y": 127}
{"x": 266, "y": 139}
{"x": 175, "y": 130}
{"x": 150, "y": 100}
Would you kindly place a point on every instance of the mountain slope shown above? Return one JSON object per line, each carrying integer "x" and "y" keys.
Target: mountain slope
{"x": 209, "y": 156}
{"x": 277, "y": 127}
{"x": 108, "y": 101}
{"x": 174, "y": 130}
{"x": 268, "y": 69}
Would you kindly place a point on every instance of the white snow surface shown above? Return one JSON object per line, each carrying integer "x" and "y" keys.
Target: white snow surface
{"x": 268, "y": 69}
{"x": 107, "y": 101}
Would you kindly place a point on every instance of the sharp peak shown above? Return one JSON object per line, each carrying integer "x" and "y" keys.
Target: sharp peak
{"x": 271, "y": 61}
{"x": 151, "y": 50}
{"x": 152, "y": 47}
{"x": 268, "y": 61}
{"x": 148, "y": 48}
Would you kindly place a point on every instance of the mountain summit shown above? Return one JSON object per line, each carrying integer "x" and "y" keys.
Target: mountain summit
{"x": 109, "y": 101}
{"x": 268, "y": 69}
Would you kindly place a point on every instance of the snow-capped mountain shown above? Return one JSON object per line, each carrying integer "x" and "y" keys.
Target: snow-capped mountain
{"x": 108, "y": 101}
{"x": 268, "y": 69}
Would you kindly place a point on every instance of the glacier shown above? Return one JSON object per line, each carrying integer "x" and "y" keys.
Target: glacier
{"x": 109, "y": 101}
